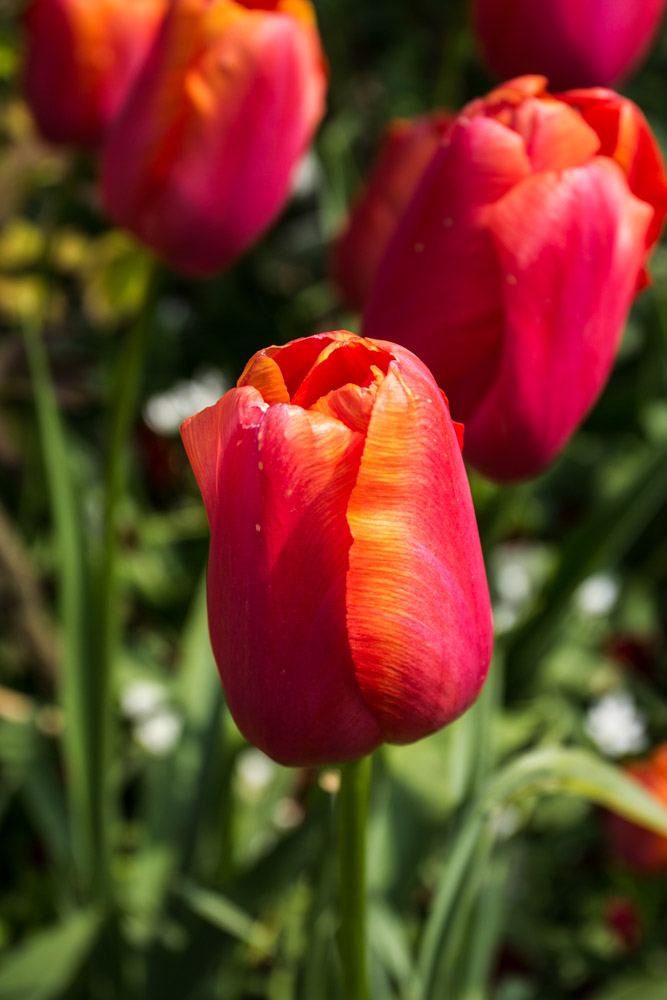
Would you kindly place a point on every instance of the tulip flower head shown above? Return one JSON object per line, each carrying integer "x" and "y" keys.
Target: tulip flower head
{"x": 202, "y": 157}
{"x": 347, "y": 596}
{"x": 406, "y": 150}
{"x": 513, "y": 267}
{"x": 574, "y": 43}
{"x": 81, "y": 60}
{"x": 637, "y": 848}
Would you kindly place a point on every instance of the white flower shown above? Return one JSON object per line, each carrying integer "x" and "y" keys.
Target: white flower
{"x": 517, "y": 571}
{"x": 255, "y": 771}
{"x": 159, "y": 733}
{"x": 597, "y": 595}
{"x": 616, "y": 725}
{"x": 142, "y": 698}
{"x": 166, "y": 411}
{"x": 307, "y": 176}
{"x": 513, "y": 581}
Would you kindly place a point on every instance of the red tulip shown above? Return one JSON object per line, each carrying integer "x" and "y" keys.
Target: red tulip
{"x": 81, "y": 59}
{"x": 406, "y": 150}
{"x": 347, "y": 598}
{"x": 202, "y": 156}
{"x": 637, "y": 848}
{"x": 514, "y": 266}
{"x": 574, "y": 43}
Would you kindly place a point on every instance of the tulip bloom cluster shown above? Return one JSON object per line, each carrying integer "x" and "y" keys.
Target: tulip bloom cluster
{"x": 203, "y": 109}
{"x": 347, "y": 597}
{"x": 512, "y": 269}
{"x": 574, "y": 43}
{"x": 638, "y": 848}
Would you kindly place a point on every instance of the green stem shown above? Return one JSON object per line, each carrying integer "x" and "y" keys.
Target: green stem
{"x": 125, "y": 395}
{"x": 353, "y": 802}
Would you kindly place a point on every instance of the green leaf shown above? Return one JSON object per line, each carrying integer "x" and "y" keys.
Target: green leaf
{"x": 388, "y": 943}
{"x": 47, "y": 963}
{"x": 76, "y": 677}
{"x": 456, "y": 870}
{"x": 484, "y": 933}
{"x": 561, "y": 770}
{"x": 227, "y": 917}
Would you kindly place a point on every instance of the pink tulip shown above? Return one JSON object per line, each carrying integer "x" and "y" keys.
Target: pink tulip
{"x": 201, "y": 159}
{"x": 574, "y": 43}
{"x": 514, "y": 266}
{"x": 347, "y": 597}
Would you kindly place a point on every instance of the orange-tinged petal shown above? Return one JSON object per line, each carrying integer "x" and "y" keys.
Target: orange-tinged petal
{"x": 417, "y": 604}
{"x": 626, "y": 137}
{"x": 264, "y": 374}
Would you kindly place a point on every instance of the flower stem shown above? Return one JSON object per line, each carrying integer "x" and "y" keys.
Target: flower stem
{"x": 353, "y": 800}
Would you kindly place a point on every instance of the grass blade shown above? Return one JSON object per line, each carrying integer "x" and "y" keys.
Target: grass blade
{"x": 75, "y": 674}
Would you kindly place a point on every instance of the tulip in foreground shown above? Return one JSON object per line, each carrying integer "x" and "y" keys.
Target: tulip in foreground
{"x": 639, "y": 849}
{"x": 574, "y": 43}
{"x": 81, "y": 60}
{"x": 406, "y": 151}
{"x": 201, "y": 159}
{"x": 513, "y": 268}
{"x": 347, "y": 596}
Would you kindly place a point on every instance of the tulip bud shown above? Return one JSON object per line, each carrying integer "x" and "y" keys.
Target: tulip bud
{"x": 513, "y": 268}
{"x": 574, "y": 43}
{"x": 81, "y": 60}
{"x": 202, "y": 156}
{"x": 347, "y": 597}
{"x": 637, "y": 848}
{"x": 405, "y": 153}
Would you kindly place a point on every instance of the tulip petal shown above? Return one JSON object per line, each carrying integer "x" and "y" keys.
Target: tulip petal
{"x": 626, "y": 137}
{"x": 407, "y": 148}
{"x": 417, "y": 604}
{"x": 279, "y": 552}
{"x": 209, "y": 434}
{"x": 568, "y": 285}
{"x": 556, "y": 136}
{"x": 437, "y": 287}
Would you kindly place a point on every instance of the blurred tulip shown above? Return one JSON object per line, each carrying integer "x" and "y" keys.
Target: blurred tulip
{"x": 636, "y": 847}
{"x": 514, "y": 266}
{"x": 574, "y": 43}
{"x": 201, "y": 158}
{"x": 347, "y": 596}
{"x": 81, "y": 60}
{"x": 405, "y": 152}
